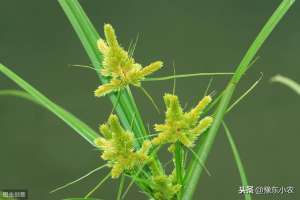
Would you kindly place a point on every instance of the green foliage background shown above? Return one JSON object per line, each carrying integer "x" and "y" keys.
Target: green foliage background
{"x": 200, "y": 36}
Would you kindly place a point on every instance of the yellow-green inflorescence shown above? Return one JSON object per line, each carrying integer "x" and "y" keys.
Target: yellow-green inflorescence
{"x": 118, "y": 147}
{"x": 181, "y": 126}
{"x": 165, "y": 187}
{"x": 119, "y": 66}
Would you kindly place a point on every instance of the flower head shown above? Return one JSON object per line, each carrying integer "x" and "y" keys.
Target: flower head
{"x": 118, "y": 147}
{"x": 165, "y": 187}
{"x": 119, "y": 65}
{"x": 182, "y": 126}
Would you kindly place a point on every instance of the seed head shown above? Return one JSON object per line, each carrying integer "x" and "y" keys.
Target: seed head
{"x": 119, "y": 66}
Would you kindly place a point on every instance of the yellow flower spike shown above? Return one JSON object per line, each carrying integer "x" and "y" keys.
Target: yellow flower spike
{"x": 104, "y": 129}
{"x": 100, "y": 142}
{"x": 179, "y": 125}
{"x": 164, "y": 188}
{"x": 174, "y": 110}
{"x": 115, "y": 125}
{"x": 195, "y": 113}
{"x": 117, "y": 170}
{"x": 102, "y": 46}
{"x": 171, "y": 148}
{"x": 203, "y": 125}
{"x": 145, "y": 148}
{"x": 119, "y": 66}
{"x": 110, "y": 36}
{"x": 153, "y": 67}
{"x": 114, "y": 85}
{"x": 118, "y": 149}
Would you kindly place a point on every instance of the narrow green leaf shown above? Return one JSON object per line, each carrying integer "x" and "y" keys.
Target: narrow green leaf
{"x": 98, "y": 185}
{"x": 186, "y": 76}
{"x": 203, "y": 148}
{"x": 80, "y": 127}
{"x": 18, "y": 93}
{"x": 121, "y": 186}
{"x": 243, "y": 95}
{"x": 79, "y": 179}
{"x": 179, "y": 163}
{"x": 287, "y": 82}
{"x": 200, "y": 162}
{"x": 238, "y": 160}
{"x": 151, "y": 99}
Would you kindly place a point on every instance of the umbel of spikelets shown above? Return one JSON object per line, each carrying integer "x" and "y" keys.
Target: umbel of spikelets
{"x": 181, "y": 126}
{"x": 119, "y": 66}
{"x": 117, "y": 147}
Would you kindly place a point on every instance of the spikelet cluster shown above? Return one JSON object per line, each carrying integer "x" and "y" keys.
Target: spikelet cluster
{"x": 165, "y": 187}
{"x": 118, "y": 147}
{"x": 181, "y": 126}
{"x": 119, "y": 65}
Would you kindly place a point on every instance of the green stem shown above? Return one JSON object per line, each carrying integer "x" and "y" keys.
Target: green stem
{"x": 121, "y": 186}
{"x": 179, "y": 163}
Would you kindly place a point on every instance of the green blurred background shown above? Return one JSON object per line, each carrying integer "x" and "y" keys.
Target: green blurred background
{"x": 39, "y": 152}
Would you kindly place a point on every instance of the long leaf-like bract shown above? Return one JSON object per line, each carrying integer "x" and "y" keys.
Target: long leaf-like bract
{"x": 238, "y": 160}
{"x": 194, "y": 170}
{"x": 287, "y": 82}
{"x": 80, "y": 127}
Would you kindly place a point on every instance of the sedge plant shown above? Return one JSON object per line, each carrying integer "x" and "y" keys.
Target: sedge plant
{"x": 128, "y": 149}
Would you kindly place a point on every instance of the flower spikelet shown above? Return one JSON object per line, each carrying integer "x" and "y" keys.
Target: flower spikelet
{"x": 181, "y": 126}
{"x": 164, "y": 187}
{"x": 119, "y": 66}
{"x": 118, "y": 147}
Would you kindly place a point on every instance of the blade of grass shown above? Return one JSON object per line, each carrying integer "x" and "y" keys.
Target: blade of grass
{"x": 174, "y": 81}
{"x": 244, "y": 95}
{"x": 185, "y": 76}
{"x": 19, "y": 93}
{"x": 151, "y": 99}
{"x": 200, "y": 162}
{"x": 238, "y": 160}
{"x": 79, "y": 179}
{"x": 121, "y": 186}
{"x": 218, "y": 98}
{"x": 194, "y": 171}
{"x": 179, "y": 164}
{"x": 287, "y": 82}
{"x": 97, "y": 186}
{"x": 80, "y": 127}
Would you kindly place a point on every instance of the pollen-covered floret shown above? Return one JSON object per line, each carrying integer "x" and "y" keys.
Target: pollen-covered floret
{"x": 181, "y": 126}
{"x": 119, "y": 65}
{"x": 118, "y": 147}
